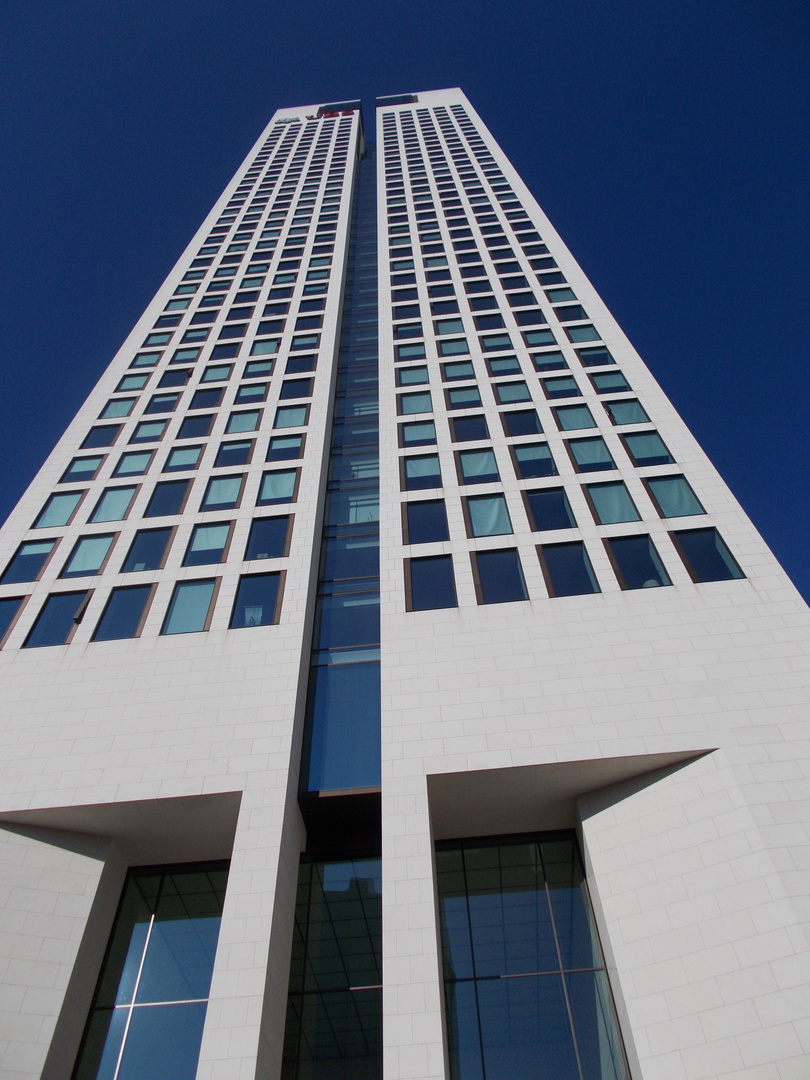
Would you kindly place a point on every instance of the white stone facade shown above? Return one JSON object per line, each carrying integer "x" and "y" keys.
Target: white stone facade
{"x": 668, "y": 726}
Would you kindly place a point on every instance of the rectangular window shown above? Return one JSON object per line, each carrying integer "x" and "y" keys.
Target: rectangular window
{"x": 456, "y": 347}
{"x": 208, "y": 544}
{"x": 117, "y": 407}
{"x": 487, "y": 515}
{"x": 477, "y": 466}
{"x": 183, "y": 458}
{"x": 149, "y": 431}
{"x": 269, "y": 538}
{"x": 285, "y": 447}
{"x": 636, "y": 562}
{"x": 498, "y": 577}
{"x": 590, "y": 455}
{"x": 424, "y": 522}
{"x": 152, "y": 995}
{"x": 573, "y": 417}
{"x": 521, "y": 422}
{"x": 162, "y": 403}
{"x": 243, "y": 421}
{"x": 58, "y": 510}
{"x": 412, "y": 376}
{"x": 567, "y": 569}
{"x": 673, "y": 497}
{"x": 532, "y": 460}
{"x": 82, "y": 469}
{"x": 647, "y": 448}
{"x": 526, "y": 990}
{"x": 511, "y": 393}
{"x": 598, "y": 356}
{"x": 469, "y": 428}
{"x": 28, "y": 562}
{"x": 190, "y": 607}
{"x": 57, "y": 621}
{"x": 278, "y": 487}
{"x": 195, "y": 427}
{"x": 611, "y": 503}
{"x": 88, "y": 557}
{"x": 133, "y": 463}
{"x": 223, "y": 493}
{"x": 124, "y": 613}
{"x": 422, "y": 471}
{"x": 417, "y": 434}
{"x": 169, "y": 497}
{"x": 429, "y": 583}
{"x": 705, "y": 555}
{"x": 463, "y": 397}
{"x": 626, "y": 412}
{"x": 234, "y": 453}
{"x": 610, "y": 382}
{"x": 114, "y": 504}
{"x": 147, "y": 551}
{"x": 549, "y": 509}
{"x": 258, "y": 601}
{"x": 10, "y": 608}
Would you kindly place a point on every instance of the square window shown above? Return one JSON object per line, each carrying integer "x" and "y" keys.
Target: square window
{"x": 28, "y": 562}
{"x": 487, "y": 515}
{"x": 611, "y": 503}
{"x": 195, "y": 427}
{"x": 598, "y": 356}
{"x": 563, "y": 387}
{"x": 463, "y": 397}
{"x": 590, "y": 455}
{"x": 521, "y": 422}
{"x": 134, "y": 463}
{"x": 567, "y": 569}
{"x": 477, "y": 466}
{"x": 533, "y": 460}
{"x": 549, "y": 509}
{"x": 80, "y": 469}
{"x": 190, "y": 607}
{"x": 169, "y": 497}
{"x": 278, "y": 487}
{"x": 636, "y": 562}
{"x": 88, "y": 557}
{"x": 469, "y": 428}
{"x": 247, "y": 420}
{"x": 234, "y": 453}
{"x": 626, "y": 412}
{"x": 498, "y": 577}
{"x": 285, "y": 447}
{"x": 269, "y": 538}
{"x": 610, "y": 382}
{"x": 706, "y": 556}
{"x": 147, "y": 551}
{"x": 429, "y": 583}
{"x": 124, "y": 613}
{"x": 425, "y": 522}
{"x": 149, "y": 431}
{"x": 207, "y": 399}
{"x": 114, "y": 504}
{"x": 422, "y": 471}
{"x": 223, "y": 493}
{"x": 182, "y": 458}
{"x": 57, "y": 621}
{"x": 573, "y": 417}
{"x": 460, "y": 369}
{"x": 647, "y": 448}
{"x": 101, "y": 436}
{"x": 208, "y": 544}
{"x": 291, "y": 416}
{"x": 258, "y": 601}
{"x": 673, "y": 497}
{"x": 510, "y": 393}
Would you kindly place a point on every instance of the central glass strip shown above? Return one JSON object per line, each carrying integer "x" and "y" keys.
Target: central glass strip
{"x": 342, "y": 746}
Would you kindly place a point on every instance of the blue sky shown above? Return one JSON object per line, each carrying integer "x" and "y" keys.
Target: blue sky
{"x": 667, "y": 141}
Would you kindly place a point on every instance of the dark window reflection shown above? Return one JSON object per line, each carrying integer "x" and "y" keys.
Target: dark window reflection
{"x": 334, "y": 1010}
{"x": 526, "y": 992}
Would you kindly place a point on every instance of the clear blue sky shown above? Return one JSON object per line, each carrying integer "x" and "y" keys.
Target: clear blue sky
{"x": 667, "y": 141}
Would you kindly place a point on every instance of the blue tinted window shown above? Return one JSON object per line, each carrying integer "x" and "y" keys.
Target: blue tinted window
{"x": 426, "y": 522}
{"x": 522, "y": 422}
{"x": 147, "y": 550}
{"x": 268, "y": 538}
{"x": 637, "y": 563}
{"x": 167, "y": 498}
{"x": 57, "y": 619}
{"x": 500, "y": 577}
{"x": 706, "y": 556}
{"x": 674, "y": 497}
{"x": 591, "y": 455}
{"x": 284, "y": 447}
{"x": 28, "y": 561}
{"x": 432, "y": 584}
{"x": 612, "y": 503}
{"x": 469, "y": 428}
{"x": 9, "y": 606}
{"x": 344, "y": 722}
{"x": 550, "y": 509}
{"x": 478, "y": 466}
{"x": 123, "y": 613}
{"x": 255, "y": 603}
{"x": 647, "y": 448}
{"x": 189, "y": 607}
{"x": 87, "y": 556}
{"x": 568, "y": 569}
{"x": 104, "y": 435}
{"x": 422, "y": 471}
{"x": 81, "y": 469}
{"x": 533, "y": 460}
{"x": 207, "y": 544}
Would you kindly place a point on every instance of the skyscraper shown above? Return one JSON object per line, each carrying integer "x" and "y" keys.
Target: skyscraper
{"x": 391, "y": 687}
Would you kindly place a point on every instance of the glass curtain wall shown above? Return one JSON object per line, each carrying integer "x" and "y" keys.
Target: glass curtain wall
{"x": 149, "y": 1008}
{"x": 342, "y": 749}
{"x": 334, "y": 1010}
{"x": 526, "y": 992}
